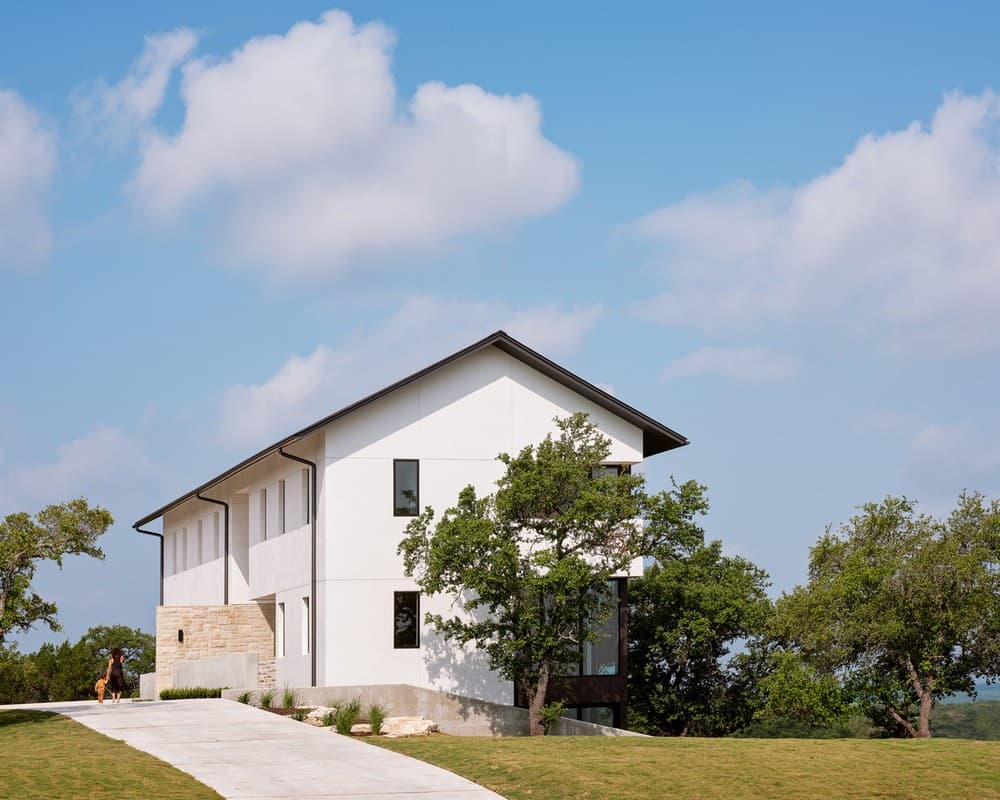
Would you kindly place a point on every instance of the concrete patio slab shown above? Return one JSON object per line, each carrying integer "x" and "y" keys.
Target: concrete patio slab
{"x": 247, "y": 754}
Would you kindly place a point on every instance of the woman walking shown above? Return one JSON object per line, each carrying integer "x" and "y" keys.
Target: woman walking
{"x": 116, "y": 675}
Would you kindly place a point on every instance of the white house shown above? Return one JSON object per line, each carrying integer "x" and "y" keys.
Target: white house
{"x": 289, "y": 557}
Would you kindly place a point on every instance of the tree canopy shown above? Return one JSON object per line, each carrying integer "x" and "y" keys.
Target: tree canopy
{"x": 71, "y": 528}
{"x": 684, "y": 614}
{"x": 526, "y": 563}
{"x": 903, "y": 607}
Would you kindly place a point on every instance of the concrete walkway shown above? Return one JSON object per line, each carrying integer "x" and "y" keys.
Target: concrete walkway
{"x": 245, "y": 753}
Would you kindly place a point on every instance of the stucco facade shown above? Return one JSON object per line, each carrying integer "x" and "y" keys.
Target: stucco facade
{"x": 331, "y": 592}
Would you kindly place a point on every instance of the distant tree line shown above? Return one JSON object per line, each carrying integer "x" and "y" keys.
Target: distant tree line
{"x": 69, "y": 671}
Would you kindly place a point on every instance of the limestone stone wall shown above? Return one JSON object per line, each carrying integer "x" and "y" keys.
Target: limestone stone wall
{"x": 214, "y": 631}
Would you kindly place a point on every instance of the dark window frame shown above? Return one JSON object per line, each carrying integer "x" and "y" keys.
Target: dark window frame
{"x": 416, "y": 622}
{"x": 396, "y": 511}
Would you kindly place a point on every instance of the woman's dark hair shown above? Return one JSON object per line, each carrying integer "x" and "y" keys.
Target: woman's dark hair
{"x": 117, "y": 653}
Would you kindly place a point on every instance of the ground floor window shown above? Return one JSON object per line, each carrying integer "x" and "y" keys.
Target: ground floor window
{"x": 406, "y": 620}
{"x": 599, "y": 715}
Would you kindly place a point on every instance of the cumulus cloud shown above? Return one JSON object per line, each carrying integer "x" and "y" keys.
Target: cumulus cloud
{"x": 744, "y": 365}
{"x": 27, "y": 161}
{"x": 305, "y": 388}
{"x": 303, "y": 143}
{"x": 124, "y": 110}
{"x": 89, "y": 464}
{"x": 900, "y": 242}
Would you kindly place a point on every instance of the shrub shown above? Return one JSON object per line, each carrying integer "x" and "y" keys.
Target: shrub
{"x": 288, "y": 698}
{"x": 551, "y": 714}
{"x": 267, "y": 698}
{"x": 328, "y": 718}
{"x": 299, "y": 714}
{"x": 189, "y": 692}
{"x": 376, "y": 717}
{"x": 346, "y": 715}
{"x": 245, "y": 698}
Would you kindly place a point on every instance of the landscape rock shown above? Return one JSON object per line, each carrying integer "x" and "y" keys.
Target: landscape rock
{"x": 398, "y": 727}
{"x": 315, "y": 717}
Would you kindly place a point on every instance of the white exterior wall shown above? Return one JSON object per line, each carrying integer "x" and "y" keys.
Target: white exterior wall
{"x": 193, "y": 581}
{"x": 455, "y": 422}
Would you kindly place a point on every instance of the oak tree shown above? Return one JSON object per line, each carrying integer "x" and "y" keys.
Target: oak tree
{"x": 526, "y": 564}
{"x": 56, "y": 531}
{"x": 903, "y": 607}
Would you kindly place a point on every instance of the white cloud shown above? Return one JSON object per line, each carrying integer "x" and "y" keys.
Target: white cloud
{"x": 27, "y": 161}
{"x": 744, "y": 365}
{"x": 972, "y": 449}
{"x": 125, "y": 109}
{"x": 302, "y": 143}
{"x": 900, "y": 242}
{"x": 91, "y": 463}
{"x": 424, "y": 329}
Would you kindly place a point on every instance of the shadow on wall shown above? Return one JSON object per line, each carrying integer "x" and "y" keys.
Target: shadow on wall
{"x": 466, "y": 675}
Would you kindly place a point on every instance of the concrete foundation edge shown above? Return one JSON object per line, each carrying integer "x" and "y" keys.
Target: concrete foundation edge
{"x": 454, "y": 714}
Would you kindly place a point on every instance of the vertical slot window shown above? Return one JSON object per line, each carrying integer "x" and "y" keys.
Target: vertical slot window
{"x": 406, "y": 620}
{"x": 304, "y": 477}
{"x": 262, "y": 512}
{"x": 305, "y": 626}
{"x": 279, "y": 631}
{"x": 215, "y": 536}
{"x": 281, "y": 507}
{"x": 200, "y": 549}
{"x": 184, "y": 549}
{"x": 405, "y": 487}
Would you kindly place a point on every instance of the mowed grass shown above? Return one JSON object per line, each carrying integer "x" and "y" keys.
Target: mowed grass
{"x": 47, "y": 756}
{"x": 716, "y": 769}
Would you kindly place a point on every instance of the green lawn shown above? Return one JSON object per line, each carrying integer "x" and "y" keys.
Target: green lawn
{"x": 722, "y": 769}
{"x": 47, "y": 756}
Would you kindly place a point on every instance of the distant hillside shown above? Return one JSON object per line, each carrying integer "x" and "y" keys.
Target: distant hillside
{"x": 978, "y": 720}
{"x": 984, "y": 693}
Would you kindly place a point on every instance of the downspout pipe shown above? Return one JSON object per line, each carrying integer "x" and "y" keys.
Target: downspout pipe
{"x": 160, "y": 537}
{"x": 313, "y": 608}
{"x": 225, "y": 548}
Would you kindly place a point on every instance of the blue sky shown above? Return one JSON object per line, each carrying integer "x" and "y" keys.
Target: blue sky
{"x": 775, "y": 228}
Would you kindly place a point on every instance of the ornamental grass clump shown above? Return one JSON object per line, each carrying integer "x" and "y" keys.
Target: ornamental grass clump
{"x": 289, "y": 699}
{"x": 245, "y": 698}
{"x": 346, "y": 716}
{"x": 376, "y": 717}
{"x": 267, "y": 698}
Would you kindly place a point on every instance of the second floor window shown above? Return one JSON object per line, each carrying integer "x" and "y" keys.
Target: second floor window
{"x": 405, "y": 487}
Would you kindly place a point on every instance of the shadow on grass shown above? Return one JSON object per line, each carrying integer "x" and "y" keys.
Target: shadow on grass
{"x": 22, "y": 716}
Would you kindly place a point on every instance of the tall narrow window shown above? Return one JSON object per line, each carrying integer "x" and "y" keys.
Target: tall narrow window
{"x": 263, "y": 515}
{"x": 406, "y": 620}
{"x": 173, "y": 553}
{"x": 406, "y": 487}
{"x": 279, "y": 631}
{"x": 184, "y": 548}
{"x": 305, "y": 626}
{"x": 304, "y": 480}
{"x": 215, "y": 536}
{"x": 200, "y": 551}
{"x": 281, "y": 507}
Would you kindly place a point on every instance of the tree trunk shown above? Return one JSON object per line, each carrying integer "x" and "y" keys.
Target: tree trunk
{"x": 536, "y": 701}
{"x": 926, "y": 708}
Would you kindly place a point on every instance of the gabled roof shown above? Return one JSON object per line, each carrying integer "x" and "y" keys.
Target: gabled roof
{"x": 656, "y": 437}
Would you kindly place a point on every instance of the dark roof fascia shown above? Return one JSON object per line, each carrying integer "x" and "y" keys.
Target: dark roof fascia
{"x": 657, "y": 437}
